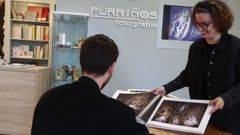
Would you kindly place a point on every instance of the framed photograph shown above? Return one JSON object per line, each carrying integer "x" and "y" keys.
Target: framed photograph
{"x": 175, "y": 28}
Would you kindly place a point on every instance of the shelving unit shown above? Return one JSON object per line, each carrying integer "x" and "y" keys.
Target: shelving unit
{"x": 70, "y": 29}
{"x": 28, "y": 29}
{"x": 29, "y": 36}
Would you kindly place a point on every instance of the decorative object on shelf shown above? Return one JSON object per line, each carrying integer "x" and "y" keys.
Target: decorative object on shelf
{"x": 79, "y": 43}
{"x": 76, "y": 73}
{"x": 59, "y": 73}
{"x": 22, "y": 51}
{"x": 61, "y": 38}
{"x": 67, "y": 73}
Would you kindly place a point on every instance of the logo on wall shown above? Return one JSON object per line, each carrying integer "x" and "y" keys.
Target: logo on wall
{"x": 127, "y": 18}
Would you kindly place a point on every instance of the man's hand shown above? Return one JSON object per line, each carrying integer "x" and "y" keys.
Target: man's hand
{"x": 160, "y": 90}
{"x": 217, "y": 103}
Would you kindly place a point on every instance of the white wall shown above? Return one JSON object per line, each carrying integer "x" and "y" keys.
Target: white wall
{"x": 140, "y": 64}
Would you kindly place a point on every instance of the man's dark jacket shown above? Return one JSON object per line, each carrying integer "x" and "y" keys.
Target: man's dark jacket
{"x": 220, "y": 70}
{"x": 81, "y": 109}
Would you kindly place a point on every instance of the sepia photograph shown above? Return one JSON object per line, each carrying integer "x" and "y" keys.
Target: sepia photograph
{"x": 180, "y": 113}
{"x": 136, "y": 100}
{"x": 187, "y": 115}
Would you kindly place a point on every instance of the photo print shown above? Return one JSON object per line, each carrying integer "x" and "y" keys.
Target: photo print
{"x": 180, "y": 113}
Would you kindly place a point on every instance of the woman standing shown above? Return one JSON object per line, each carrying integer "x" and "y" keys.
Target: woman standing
{"x": 213, "y": 68}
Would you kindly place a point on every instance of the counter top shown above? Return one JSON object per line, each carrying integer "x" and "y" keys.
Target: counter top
{"x": 211, "y": 130}
{"x": 22, "y": 68}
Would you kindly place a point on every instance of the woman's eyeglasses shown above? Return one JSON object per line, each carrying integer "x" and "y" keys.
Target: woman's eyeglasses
{"x": 203, "y": 26}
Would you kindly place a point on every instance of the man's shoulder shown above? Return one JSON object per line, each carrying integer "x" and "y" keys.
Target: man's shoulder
{"x": 53, "y": 93}
{"x": 57, "y": 89}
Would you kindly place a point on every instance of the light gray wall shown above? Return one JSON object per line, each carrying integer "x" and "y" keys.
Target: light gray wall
{"x": 140, "y": 64}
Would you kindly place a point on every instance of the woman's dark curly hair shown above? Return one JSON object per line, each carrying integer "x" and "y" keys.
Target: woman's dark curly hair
{"x": 221, "y": 14}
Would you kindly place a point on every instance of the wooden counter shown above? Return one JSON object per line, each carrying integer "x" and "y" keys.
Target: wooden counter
{"x": 211, "y": 130}
{"x": 20, "y": 89}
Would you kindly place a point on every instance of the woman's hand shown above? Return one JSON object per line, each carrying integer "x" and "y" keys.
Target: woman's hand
{"x": 217, "y": 103}
{"x": 160, "y": 90}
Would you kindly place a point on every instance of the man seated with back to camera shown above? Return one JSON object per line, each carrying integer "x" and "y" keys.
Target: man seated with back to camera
{"x": 80, "y": 108}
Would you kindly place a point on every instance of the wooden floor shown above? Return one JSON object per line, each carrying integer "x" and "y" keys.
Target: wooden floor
{"x": 211, "y": 130}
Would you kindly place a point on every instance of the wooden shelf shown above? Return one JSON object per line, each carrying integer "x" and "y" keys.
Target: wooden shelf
{"x": 30, "y": 22}
{"x": 26, "y": 40}
{"x": 66, "y": 47}
{"x": 44, "y": 59}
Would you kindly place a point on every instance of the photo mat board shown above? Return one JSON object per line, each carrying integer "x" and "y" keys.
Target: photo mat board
{"x": 136, "y": 100}
{"x": 181, "y": 115}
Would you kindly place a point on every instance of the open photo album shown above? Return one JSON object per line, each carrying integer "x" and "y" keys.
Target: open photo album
{"x": 168, "y": 112}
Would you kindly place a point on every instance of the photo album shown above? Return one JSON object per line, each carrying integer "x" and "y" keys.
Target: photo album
{"x": 168, "y": 112}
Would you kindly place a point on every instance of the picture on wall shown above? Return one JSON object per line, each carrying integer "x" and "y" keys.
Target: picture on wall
{"x": 177, "y": 24}
{"x": 175, "y": 27}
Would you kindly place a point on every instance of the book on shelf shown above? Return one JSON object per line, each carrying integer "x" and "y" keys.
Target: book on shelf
{"x": 40, "y": 32}
{"x": 46, "y": 49}
{"x": 13, "y": 13}
{"x": 45, "y": 13}
{"x": 186, "y": 115}
{"x": 46, "y": 33}
{"x": 30, "y": 16}
{"x": 17, "y": 31}
{"x": 34, "y": 51}
{"x": 37, "y": 51}
{"x": 40, "y": 51}
{"x": 25, "y": 31}
{"x": 37, "y": 9}
{"x": 30, "y": 32}
{"x": 41, "y": 11}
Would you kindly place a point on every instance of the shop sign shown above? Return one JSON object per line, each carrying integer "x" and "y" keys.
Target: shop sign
{"x": 134, "y": 18}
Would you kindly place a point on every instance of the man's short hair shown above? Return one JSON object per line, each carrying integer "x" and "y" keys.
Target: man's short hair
{"x": 97, "y": 54}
